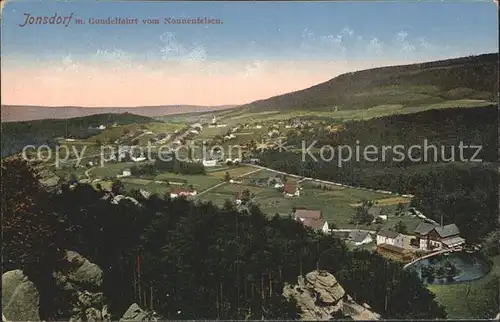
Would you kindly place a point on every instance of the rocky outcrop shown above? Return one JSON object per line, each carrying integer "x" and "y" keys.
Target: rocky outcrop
{"x": 20, "y": 298}
{"x": 82, "y": 272}
{"x": 80, "y": 279}
{"x": 83, "y": 280}
{"x": 135, "y": 313}
{"x": 321, "y": 297}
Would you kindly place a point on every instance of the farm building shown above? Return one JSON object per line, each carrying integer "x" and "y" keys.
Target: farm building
{"x": 125, "y": 173}
{"x": 178, "y": 192}
{"x": 358, "y": 237}
{"x": 390, "y": 238}
{"x": 434, "y": 237}
{"x": 209, "y": 163}
{"x": 312, "y": 218}
{"x": 291, "y": 190}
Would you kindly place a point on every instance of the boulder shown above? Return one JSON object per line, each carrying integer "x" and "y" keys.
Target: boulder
{"x": 133, "y": 313}
{"x": 20, "y": 298}
{"x": 81, "y": 279}
{"x": 93, "y": 314}
{"x": 83, "y": 273}
{"x": 321, "y": 297}
{"x": 136, "y": 313}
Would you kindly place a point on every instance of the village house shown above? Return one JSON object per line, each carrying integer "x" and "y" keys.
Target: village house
{"x": 358, "y": 237}
{"x": 291, "y": 190}
{"x": 179, "y": 192}
{"x": 138, "y": 159}
{"x": 387, "y": 237}
{"x": 313, "y": 219}
{"x": 125, "y": 173}
{"x": 209, "y": 163}
{"x": 391, "y": 243}
{"x": 435, "y": 237}
{"x": 273, "y": 133}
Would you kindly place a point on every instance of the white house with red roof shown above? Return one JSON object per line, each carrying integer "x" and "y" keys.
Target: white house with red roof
{"x": 291, "y": 190}
{"x": 313, "y": 219}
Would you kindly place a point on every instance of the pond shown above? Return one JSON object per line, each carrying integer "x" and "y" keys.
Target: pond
{"x": 451, "y": 268}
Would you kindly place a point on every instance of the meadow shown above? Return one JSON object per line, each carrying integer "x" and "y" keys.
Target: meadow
{"x": 336, "y": 204}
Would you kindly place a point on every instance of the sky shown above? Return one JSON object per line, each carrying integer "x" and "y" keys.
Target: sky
{"x": 259, "y": 50}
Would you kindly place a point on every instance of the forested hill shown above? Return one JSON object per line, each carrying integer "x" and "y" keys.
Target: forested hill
{"x": 15, "y": 135}
{"x": 472, "y": 78}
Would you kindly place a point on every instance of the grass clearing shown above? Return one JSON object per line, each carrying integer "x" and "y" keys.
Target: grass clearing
{"x": 111, "y": 169}
{"x": 199, "y": 182}
{"x": 391, "y": 201}
{"x": 335, "y": 204}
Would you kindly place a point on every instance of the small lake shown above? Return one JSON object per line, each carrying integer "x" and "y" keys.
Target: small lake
{"x": 470, "y": 267}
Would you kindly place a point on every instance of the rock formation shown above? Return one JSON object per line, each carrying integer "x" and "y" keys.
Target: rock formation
{"x": 82, "y": 281}
{"x": 321, "y": 297}
{"x": 135, "y": 313}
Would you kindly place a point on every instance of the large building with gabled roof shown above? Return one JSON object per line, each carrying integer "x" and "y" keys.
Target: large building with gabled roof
{"x": 435, "y": 237}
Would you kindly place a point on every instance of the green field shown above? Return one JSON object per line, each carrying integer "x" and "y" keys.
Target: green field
{"x": 152, "y": 187}
{"x": 199, "y": 182}
{"x": 111, "y": 169}
{"x": 470, "y": 300}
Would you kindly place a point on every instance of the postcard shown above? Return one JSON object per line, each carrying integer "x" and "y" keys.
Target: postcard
{"x": 269, "y": 160}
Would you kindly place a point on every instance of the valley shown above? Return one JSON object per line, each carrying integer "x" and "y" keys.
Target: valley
{"x": 249, "y": 161}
